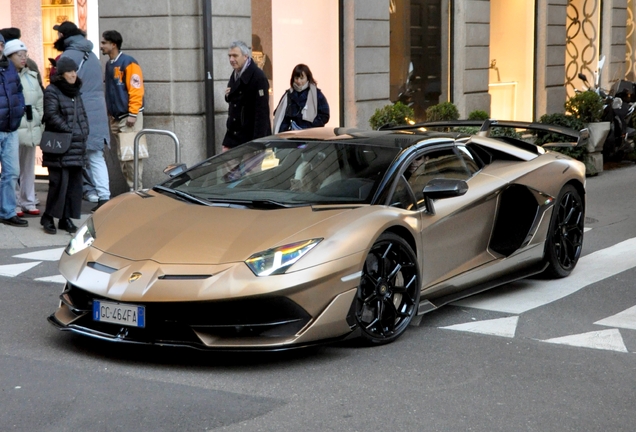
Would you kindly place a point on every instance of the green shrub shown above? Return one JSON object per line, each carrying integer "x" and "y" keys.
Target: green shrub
{"x": 391, "y": 115}
{"x": 558, "y": 119}
{"x": 505, "y": 132}
{"x": 478, "y": 115}
{"x": 468, "y": 130}
{"x": 444, "y": 111}
{"x": 586, "y": 106}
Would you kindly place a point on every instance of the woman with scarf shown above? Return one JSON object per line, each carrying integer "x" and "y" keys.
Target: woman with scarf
{"x": 303, "y": 105}
{"x": 64, "y": 112}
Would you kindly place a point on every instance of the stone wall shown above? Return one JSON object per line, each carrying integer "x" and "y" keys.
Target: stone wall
{"x": 231, "y": 20}
{"x": 471, "y": 57}
{"x": 613, "y": 40}
{"x": 365, "y": 60}
{"x": 165, "y": 37}
{"x": 550, "y": 60}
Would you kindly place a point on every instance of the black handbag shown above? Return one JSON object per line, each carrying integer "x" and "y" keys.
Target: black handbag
{"x": 58, "y": 142}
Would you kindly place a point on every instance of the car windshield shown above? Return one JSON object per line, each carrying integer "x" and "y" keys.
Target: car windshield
{"x": 287, "y": 173}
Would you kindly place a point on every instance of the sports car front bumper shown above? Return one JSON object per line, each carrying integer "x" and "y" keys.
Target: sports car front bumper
{"x": 295, "y": 309}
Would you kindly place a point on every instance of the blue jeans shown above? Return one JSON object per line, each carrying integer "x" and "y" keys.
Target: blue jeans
{"x": 96, "y": 166}
{"x": 9, "y": 151}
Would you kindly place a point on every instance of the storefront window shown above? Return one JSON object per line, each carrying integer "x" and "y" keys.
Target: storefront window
{"x": 511, "y": 75}
{"x": 416, "y": 53}
{"x": 630, "y": 42}
{"x": 581, "y": 49}
{"x": 53, "y": 12}
{"x": 284, "y": 35}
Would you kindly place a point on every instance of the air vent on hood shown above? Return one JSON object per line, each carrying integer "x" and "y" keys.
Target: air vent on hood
{"x": 101, "y": 267}
{"x": 184, "y": 277}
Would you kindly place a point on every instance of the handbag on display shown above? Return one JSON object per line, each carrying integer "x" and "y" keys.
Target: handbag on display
{"x": 127, "y": 146}
{"x": 58, "y": 142}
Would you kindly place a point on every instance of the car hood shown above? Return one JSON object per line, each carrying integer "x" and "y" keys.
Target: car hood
{"x": 170, "y": 231}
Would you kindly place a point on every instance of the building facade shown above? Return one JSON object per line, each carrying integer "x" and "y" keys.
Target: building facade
{"x": 513, "y": 59}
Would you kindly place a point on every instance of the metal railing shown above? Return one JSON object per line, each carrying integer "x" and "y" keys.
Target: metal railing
{"x": 177, "y": 149}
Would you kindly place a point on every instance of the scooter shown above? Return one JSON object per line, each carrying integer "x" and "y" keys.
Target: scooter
{"x": 618, "y": 108}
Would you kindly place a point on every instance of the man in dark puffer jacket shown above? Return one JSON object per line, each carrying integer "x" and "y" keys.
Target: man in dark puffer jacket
{"x": 11, "y": 112}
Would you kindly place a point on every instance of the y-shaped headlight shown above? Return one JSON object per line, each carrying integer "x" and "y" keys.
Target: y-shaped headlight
{"x": 83, "y": 238}
{"x": 278, "y": 260}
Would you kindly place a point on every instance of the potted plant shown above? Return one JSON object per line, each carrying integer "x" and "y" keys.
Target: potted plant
{"x": 592, "y": 166}
{"x": 391, "y": 115}
{"x": 587, "y": 106}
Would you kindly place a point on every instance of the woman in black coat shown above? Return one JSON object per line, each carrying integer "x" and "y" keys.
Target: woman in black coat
{"x": 64, "y": 112}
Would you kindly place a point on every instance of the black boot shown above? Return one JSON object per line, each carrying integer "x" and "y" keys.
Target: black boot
{"x": 67, "y": 225}
{"x": 48, "y": 224}
{"x": 100, "y": 203}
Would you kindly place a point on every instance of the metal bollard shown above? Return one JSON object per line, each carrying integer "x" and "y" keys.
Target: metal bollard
{"x": 177, "y": 149}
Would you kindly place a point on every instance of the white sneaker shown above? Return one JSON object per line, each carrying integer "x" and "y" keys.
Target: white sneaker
{"x": 92, "y": 198}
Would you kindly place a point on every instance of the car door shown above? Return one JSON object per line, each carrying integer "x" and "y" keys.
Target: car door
{"x": 456, "y": 231}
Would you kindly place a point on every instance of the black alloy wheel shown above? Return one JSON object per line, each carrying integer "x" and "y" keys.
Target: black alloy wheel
{"x": 389, "y": 291}
{"x": 565, "y": 235}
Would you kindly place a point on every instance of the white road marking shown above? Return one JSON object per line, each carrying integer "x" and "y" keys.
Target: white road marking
{"x": 12, "y": 270}
{"x": 54, "y": 279}
{"x": 527, "y": 294}
{"x": 604, "y": 340}
{"x": 43, "y": 255}
{"x": 505, "y": 327}
{"x": 625, "y": 319}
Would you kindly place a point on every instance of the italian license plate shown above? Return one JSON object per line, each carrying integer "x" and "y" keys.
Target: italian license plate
{"x": 117, "y": 313}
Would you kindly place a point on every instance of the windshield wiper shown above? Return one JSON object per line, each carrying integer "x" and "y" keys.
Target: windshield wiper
{"x": 183, "y": 195}
{"x": 271, "y": 204}
{"x": 258, "y": 204}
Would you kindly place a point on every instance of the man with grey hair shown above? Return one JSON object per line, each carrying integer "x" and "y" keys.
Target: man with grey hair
{"x": 247, "y": 94}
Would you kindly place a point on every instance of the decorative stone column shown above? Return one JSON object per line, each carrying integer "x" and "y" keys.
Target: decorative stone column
{"x": 550, "y": 61}
{"x": 166, "y": 38}
{"x": 471, "y": 56}
{"x": 366, "y": 59}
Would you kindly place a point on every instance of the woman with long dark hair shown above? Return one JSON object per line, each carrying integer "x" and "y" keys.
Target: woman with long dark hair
{"x": 64, "y": 112}
{"x": 303, "y": 105}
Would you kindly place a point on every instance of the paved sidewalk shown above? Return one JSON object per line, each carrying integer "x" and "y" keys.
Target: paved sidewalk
{"x": 34, "y": 235}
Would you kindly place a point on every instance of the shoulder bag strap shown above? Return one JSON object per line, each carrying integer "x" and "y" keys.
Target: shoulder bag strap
{"x": 74, "y": 115}
{"x": 86, "y": 54}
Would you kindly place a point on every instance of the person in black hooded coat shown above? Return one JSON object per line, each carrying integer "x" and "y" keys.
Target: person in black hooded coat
{"x": 61, "y": 105}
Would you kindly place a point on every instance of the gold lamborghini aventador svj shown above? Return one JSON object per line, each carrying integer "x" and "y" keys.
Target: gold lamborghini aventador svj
{"x": 320, "y": 235}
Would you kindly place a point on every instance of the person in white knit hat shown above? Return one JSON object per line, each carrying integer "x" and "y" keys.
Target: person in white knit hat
{"x": 30, "y": 130}
{"x": 11, "y": 112}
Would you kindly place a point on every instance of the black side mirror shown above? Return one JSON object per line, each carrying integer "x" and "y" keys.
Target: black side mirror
{"x": 442, "y": 188}
{"x": 582, "y": 77}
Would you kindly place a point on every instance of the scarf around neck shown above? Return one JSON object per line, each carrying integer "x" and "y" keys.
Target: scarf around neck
{"x": 237, "y": 75}
{"x": 310, "y": 110}
{"x": 70, "y": 90}
{"x": 300, "y": 88}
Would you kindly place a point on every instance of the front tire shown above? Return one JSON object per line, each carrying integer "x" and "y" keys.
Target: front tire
{"x": 565, "y": 236}
{"x": 389, "y": 291}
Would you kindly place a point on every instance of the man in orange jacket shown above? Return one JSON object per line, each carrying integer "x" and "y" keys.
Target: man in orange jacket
{"x": 124, "y": 100}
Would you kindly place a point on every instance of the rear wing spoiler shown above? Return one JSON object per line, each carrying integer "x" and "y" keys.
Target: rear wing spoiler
{"x": 578, "y": 138}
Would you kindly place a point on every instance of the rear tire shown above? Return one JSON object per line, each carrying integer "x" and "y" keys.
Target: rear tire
{"x": 389, "y": 291}
{"x": 565, "y": 236}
